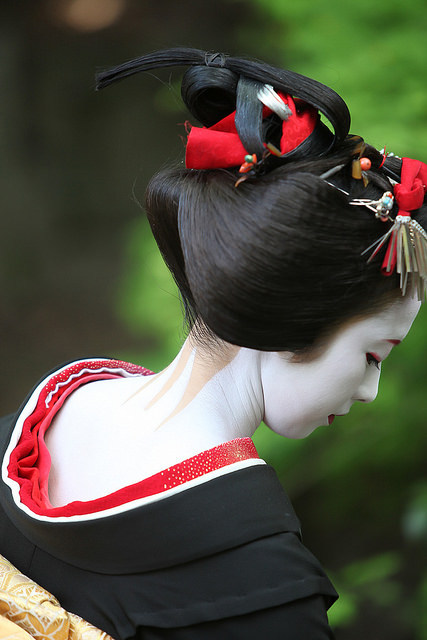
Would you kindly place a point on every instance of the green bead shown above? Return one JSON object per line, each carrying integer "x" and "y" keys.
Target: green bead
{"x": 249, "y": 158}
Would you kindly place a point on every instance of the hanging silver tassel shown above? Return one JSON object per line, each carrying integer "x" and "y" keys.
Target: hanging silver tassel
{"x": 407, "y": 251}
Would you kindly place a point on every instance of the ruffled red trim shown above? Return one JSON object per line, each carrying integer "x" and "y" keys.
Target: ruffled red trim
{"x": 29, "y": 463}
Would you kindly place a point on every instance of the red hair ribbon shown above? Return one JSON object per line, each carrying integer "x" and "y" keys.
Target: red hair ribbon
{"x": 219, "y": 146}
{"x": 409, "y": 195}
{"x": 410, "y": 192}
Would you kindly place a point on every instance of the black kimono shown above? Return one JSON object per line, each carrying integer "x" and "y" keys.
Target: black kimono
{"x": 209, "y": 548}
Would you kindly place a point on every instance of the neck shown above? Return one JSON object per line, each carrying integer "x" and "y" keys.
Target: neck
{"x": 210, "y": 395}
{"x": 201, "y": 400}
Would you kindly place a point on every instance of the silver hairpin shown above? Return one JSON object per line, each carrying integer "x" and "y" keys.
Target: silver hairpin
{"x": 332, "y": 172}
{"x": 268, "y": 96}
{"x": 381, "y": 207}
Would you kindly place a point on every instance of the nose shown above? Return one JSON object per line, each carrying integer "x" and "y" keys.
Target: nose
{"x": 368, "y": 390}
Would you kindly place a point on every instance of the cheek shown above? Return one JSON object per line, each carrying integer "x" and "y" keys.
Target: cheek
{"x": 293, "y": 398}
{"x": 350, "y": 378}
{"x": 300, "y": 397}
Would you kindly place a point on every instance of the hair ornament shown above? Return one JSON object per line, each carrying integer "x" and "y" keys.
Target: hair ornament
{"x": 406, "y": 240}
{"x": 385, "y": 155}
{"x": 361, "y": 164}
{"x": 273, "y": 149}
{"x": 358, "y": 149}
{"x": 381, "y": 207}
{"x": 220, "y": 147}
{"x": 332, "y": 172}
{"x": 356, "y": 170}
{"x": 365, "y": 164}
{"x": 269, "y": 98}
{"x": 406, "y": 252}
{"x": 249, "y": 166}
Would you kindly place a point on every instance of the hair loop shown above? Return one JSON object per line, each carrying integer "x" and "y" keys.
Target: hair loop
{"x": 215, "y": 59}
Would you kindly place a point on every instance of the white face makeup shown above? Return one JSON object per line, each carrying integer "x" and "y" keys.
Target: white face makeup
{"x": 300, "y": 396}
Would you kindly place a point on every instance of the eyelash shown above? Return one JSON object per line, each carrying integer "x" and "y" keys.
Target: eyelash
{"x": 373, "y": 359}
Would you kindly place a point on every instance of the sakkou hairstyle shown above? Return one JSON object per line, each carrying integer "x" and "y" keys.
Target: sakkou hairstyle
{"x": 275, "y": 263}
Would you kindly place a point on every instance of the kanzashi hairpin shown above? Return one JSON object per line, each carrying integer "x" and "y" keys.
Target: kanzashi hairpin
{"x": 271, "y": 99}
{"x": 359, "y": 169}
{"x": 381, "y": 207}
{"x": 248, "y": 167}
{"x": 249, "y": 163}
{"x": 406, "y": 239}
{"x": 406, "y": 252}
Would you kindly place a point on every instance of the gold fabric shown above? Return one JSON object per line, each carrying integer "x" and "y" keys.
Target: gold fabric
{"x": 29, "y": 611}
{"x": 10, "y": 631}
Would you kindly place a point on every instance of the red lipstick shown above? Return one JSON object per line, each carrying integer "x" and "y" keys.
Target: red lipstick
{"x": 331, "y": 418}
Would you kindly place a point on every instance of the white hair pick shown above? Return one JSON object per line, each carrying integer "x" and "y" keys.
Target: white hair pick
{"x": 268, "y": 96}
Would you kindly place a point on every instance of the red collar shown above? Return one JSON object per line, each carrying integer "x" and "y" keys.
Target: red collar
{"x": 29, "y": 462}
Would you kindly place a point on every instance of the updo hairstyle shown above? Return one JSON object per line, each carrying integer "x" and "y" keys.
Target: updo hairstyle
{"x": 276, "y": 262}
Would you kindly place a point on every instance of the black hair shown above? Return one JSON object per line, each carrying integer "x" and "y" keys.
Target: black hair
{"x": 275, "y": 263}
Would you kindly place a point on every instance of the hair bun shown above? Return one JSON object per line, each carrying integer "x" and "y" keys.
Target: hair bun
{"x": 209, "y": 93}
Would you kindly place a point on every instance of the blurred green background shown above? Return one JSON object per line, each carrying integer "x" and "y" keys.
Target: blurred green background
{"x": 81, "y": 275}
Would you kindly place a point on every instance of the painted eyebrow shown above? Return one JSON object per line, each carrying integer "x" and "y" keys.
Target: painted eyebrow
{"x": 394, "y": 342}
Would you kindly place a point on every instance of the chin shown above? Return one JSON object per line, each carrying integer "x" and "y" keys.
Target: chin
{"x": 294, "y": 432}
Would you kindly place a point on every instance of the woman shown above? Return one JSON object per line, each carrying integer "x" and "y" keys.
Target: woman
{"x": 300, "y": 255}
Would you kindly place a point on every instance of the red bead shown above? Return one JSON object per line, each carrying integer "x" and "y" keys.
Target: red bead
{"x": 365, "y": 164}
